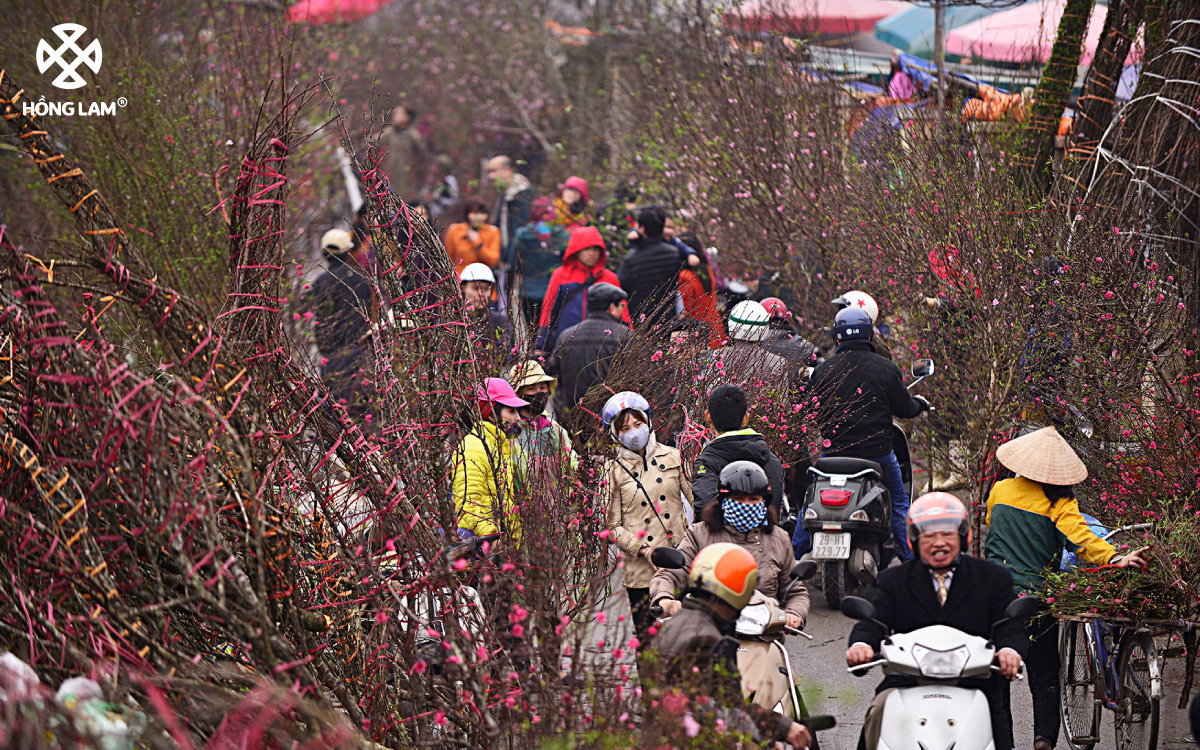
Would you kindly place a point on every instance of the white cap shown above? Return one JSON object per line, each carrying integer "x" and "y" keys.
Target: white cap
{"x": 477, "y": 272}
{"x": 861, "y": 300}
{"x": 749, "y": 321}
{"x": 337, "y": 241}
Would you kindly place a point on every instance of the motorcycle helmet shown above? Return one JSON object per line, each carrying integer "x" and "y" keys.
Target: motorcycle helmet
{"x": 616, "y": 406}
{"x": 861, "y": 300}
{"x": 477, "y": 272}
{"x": 776, "y": 308}
{"x": 725, "y": 571}
{"x": 852, "y": 324}
{"x": 937, "y": 511}
{"x": 744, "y": 478}
{"x": 748, "y": 321}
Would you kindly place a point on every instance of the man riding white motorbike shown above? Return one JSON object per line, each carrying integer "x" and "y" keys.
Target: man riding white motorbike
{"x": 959, "y": 596}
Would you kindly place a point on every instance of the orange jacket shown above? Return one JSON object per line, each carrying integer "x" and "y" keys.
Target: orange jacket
{"x": 701, "y": 305}
{"x": 464, "y": 252}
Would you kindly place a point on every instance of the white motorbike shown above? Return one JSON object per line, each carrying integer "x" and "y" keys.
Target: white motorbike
{"x": 937, "y": 712}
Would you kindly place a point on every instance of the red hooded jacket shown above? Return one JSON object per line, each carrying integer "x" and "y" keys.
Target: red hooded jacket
{"x": 565, "y": 304}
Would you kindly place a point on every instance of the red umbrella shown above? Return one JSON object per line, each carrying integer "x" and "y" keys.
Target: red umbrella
{"x": 333, "y": 11}
{"x": 830, "y": 17}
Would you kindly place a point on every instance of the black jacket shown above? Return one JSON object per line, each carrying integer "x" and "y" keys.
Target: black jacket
{"x": 858, "y": 392}
{"x": 583, "y": 354}
{"x": 650, "y": 275}
{"x": 341, "y": 301}
{"x": 739, "y": 445}
{"x": 979, "y": 591}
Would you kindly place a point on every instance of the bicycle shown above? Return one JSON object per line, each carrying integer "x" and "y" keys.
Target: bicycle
{"x": 1111, "y": 664}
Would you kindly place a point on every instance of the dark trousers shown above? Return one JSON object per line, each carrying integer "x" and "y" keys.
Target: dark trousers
{"x": 1042, "y": 662}
{"x": 639, "y": 602}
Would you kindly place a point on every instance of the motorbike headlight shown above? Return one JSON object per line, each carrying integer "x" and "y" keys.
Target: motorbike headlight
{"x": 941, "y": 664}
{"x": 810, "y": 513}
{"x": 754, "y": 620}
{"x": 859, "y": 515}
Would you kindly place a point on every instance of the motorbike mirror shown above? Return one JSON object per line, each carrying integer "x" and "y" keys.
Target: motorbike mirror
{"x": 802, "y": 571}
{"x": 857, "y": 608}
{"x": 922, "y": 368}
{"x": 1022, "y": 609}
{"x": 667, "y": 557}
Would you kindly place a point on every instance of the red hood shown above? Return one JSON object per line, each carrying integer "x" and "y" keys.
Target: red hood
{"x": 579, "y": 184}
{"x": 584, "y": 237}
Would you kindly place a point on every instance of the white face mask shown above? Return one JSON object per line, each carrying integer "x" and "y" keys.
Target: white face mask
{"x": 635, "y": 439}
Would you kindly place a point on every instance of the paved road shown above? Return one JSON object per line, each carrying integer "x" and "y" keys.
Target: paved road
{"x": 828, "y": 688}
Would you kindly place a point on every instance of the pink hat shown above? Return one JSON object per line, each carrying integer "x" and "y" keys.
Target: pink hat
{"x": 498, "y": 390}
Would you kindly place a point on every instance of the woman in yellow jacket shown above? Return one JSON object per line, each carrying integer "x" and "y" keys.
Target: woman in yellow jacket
{"x": 485, "y": 464}
{"x": 1031, "y": 518}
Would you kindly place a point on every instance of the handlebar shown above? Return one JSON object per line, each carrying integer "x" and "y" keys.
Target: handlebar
{"x": 862, "y": 669}
{"x": 656, "y": 611}
{"x": 819, "y": 723}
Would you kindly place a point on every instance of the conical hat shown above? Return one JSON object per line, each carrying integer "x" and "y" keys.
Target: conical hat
{"x": 1043, "y": 456}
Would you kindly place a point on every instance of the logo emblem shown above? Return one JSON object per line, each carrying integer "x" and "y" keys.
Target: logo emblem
{"x": 69, "y": 78}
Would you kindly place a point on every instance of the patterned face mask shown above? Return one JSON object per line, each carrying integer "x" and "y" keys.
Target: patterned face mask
{"x": 744, "y": 516}
{"x": 636, "y": 438}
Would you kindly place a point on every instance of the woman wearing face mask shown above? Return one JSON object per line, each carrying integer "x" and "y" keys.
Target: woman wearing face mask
{"x": 485, "y": 462}
{"x": 650, "y": 498}
{"x": 544, "y": 440}
{"x": 742, "y": 518}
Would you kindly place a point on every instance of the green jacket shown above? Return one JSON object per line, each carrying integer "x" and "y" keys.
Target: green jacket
{"x": 1027, "y": 534}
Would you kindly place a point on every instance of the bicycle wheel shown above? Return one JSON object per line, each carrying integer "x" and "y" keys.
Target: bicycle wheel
{"x": 1080, "y": 710}
{"x": 1139, "y": 674}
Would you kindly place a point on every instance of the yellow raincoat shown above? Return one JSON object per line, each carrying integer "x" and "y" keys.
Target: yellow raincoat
{"x": 484, "y": 481}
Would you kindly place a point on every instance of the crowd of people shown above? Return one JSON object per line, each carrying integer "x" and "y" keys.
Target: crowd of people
{"x": 535, "y": 276}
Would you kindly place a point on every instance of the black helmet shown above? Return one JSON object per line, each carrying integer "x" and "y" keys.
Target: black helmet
{"x": 744, "y": 478}
{"x": 852, "y": 324}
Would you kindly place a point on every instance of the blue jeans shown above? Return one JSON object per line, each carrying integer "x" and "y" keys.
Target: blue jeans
{"x": 802, "y": 542}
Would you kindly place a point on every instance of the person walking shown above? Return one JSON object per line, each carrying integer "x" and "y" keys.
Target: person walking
{"x": 473, "y": 240}
{"x": 484, "y": 474}
{"x": 1031, "y": 519}
{"x": 545, "y": 441}
{"x": 407, "y": 154}
{"x": 650, "y": 273}
{"x": 342, "y": 303}
{"x": 515, "y": 197}
{"x": 566, "y": 301}
{"x": 532, "y": 256}
{"x": 571, "y": 204}
{"x": 697, "y": 291}
{"x": 584, "y": 352}
{"x": 650, "y": 498}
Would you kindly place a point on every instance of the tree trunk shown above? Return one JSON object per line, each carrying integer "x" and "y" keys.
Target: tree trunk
{"x": 1054, "y": 90}
{"x": 1098, "y": 100}
{"x": 939, "y": 55}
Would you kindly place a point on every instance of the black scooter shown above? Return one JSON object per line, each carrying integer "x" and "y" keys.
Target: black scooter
{"x": 848, "y": 511}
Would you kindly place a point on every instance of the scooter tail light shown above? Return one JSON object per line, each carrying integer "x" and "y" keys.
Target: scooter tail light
{"x": 835, "y": 498}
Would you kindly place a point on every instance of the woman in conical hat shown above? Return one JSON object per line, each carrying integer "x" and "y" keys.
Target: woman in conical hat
{"x": 1031, "y": 518}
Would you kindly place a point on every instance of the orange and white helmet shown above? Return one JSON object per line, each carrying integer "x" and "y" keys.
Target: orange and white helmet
{"x": 937, "y": 511}
{"x": 861, "y": 300}
{"x": 725, "y": 571}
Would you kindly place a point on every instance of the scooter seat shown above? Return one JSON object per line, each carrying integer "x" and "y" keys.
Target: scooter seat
{"x": 847, "y": 465}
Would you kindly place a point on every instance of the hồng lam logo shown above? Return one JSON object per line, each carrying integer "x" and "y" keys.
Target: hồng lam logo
{"x": 47, "y": 56}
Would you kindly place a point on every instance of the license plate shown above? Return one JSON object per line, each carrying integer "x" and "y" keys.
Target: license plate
{"x": 831, "y": 546}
